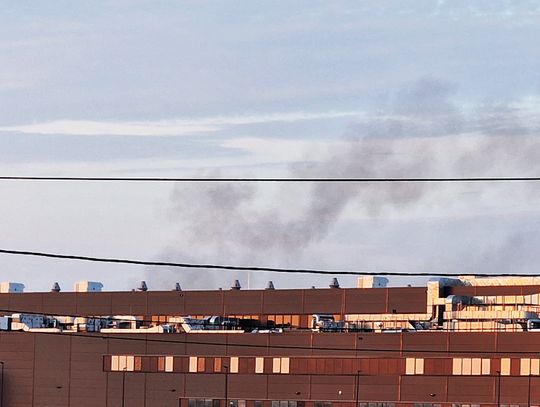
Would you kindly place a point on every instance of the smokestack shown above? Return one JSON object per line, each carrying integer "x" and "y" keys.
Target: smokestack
{"x": 143, "y": 286}
{"x": 236, "y": 285}
{"x": 270, "y": 286}
{"x": 56, "y": 287}
{"x": 334, "y": 283}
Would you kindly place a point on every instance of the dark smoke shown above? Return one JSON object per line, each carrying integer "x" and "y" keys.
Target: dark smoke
{"x": 423, "y": 134}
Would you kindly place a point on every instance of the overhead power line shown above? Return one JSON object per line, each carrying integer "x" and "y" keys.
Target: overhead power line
{"x": 278, "y": 179}
{"x": 251, "y": 268}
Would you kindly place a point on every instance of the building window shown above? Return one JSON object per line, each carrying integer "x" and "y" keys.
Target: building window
{"x": 322, "y": 404}
{"x": 161, "y": 364}
{"x": 470, "y": 366}
{"x": 138, "y": 363}
{"x": 505, "y": 367}
{"x": 529, "y": 367}
{"x": 285, "y": 366}
{"x": 122, "y": 363}
{"x": 169, "y": 363}
{"x": 259, "y": 366}
{"x": 414, "y": 366}
{"x": 237, "y": 403}
{"x": 234, "y": 365}
{"x": 217, "y": 365}
{"x": 193, "y": 365}
{"x": 276, "y": 368}
{"x": 280, "y": 365}
{"x": 286, "y": 403}
{"x": 535, "y": 367}
{"x": 200, "y": 403}
{"x": 389, "y": 405}
{"x": 486, "y": 366}
{"x": 201, "y": 365}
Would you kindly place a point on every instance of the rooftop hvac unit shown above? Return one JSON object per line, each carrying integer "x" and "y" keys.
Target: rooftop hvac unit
{"x": 9, "y": 287}
{"x": 88, "y": 286}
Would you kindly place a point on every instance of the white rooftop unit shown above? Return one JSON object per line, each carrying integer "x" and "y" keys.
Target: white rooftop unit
{"x": 371, "y": 282}
{"x": 88, "y": 286}
{"x": 9, "y": 287}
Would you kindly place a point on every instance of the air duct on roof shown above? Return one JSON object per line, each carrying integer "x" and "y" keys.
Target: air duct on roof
{"x": 270, "y": 285}
{"x": 236, "y": 285}
{"x": 56, "y": 287}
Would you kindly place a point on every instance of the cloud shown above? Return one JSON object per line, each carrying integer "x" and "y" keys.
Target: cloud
{"x": 174, "y": 127}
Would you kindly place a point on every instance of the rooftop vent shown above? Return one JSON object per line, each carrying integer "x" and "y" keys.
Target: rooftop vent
{"x": 142, "y": 286}
{"x": 56, "y": 287}
{"x": 236, "y": 285}
{"x": 270, "y": 285}
{"x": 334, "y": 283}
{"x": 177, "y": 287}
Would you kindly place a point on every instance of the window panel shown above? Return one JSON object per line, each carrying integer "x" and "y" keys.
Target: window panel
{"x": 137, "y": 363}
{"x": 114, "y": 363}
{"x": 276, "y": 365}
{"x": 409, "y": 366}
{"x": 193, "y": 364}
{"x": 456, "y": 366}
{"x": 466, "y": 368}
{"x": 161, "y": 363}
{"x": 130, "y": 363}
{"x": 535, "y": 367}
{"x": 285, "y": 365}
{"x": 486, "y": 368}
{"x": 169, "y": 363}
{"x": 505, "y": 366}
{"x": 201, "y": 364}
{"x": 259, "y": 365}
{"x": 217, "y": 364}
{"x": 122, "y": 362}
{"x": 476, "y": 366}
{"x": 234, "y": 365}
{"x": 525, "y": 367}
{"x": 419, "y": 369}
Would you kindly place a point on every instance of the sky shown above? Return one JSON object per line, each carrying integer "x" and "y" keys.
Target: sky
{"x": 268, "y": 89}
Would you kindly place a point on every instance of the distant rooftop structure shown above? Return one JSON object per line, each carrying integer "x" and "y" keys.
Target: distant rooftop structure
{"x": 10, "y": 287}
{"x": 495, "y": 281}
{"x": 371, "y": 282}
{"x": 88, "y": 286}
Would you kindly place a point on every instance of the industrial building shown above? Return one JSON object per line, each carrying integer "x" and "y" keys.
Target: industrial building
{"x": 454, "y": 342}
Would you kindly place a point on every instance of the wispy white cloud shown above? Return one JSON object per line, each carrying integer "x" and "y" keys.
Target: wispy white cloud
{"x": 174, "y": 127}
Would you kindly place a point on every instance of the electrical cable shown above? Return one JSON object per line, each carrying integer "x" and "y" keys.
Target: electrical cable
{"x": 276, "y": 179}
{"x": 251, "y": 268}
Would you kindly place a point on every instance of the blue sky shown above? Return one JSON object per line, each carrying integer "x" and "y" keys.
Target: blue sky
{"x": 140, "y": 88}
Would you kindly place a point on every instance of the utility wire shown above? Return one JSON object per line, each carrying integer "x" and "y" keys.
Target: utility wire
{"x": 250, "y": 268}
{"x": 278, "y": 179}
